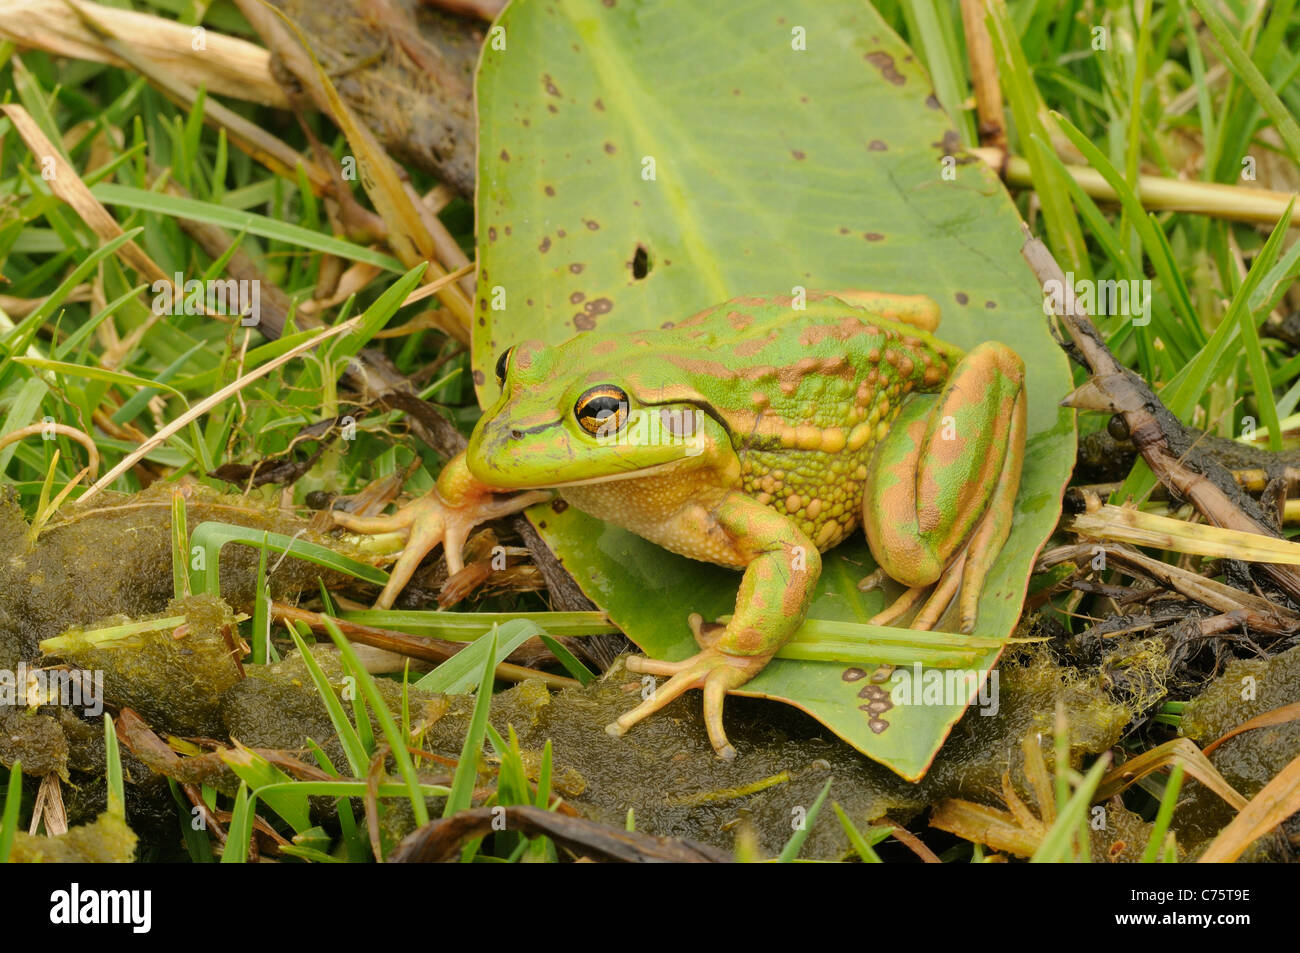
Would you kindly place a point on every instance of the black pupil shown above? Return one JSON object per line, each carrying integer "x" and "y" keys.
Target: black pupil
{"x": 601, "y": 407}
{"x": 501, "y": 365}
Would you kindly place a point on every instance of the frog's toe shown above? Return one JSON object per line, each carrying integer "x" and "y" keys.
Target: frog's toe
{"x": 427, "y": 522}
{"x": 940, "y": 597}
{"x": 944, "y": 591}
{"x": 714, "y": 672}
{"x": 898, "y": 607}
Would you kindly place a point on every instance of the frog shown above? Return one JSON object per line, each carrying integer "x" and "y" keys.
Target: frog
{"x": 756, "y": 434}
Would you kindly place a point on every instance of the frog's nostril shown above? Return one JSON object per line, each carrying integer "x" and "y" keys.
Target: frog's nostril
{"x": 516, "y": 435}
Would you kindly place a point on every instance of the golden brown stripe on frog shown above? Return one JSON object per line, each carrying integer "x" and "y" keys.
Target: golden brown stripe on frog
{"x": 752, "y": 346}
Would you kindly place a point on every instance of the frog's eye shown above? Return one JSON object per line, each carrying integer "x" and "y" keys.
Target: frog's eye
{"x": 502, "y": 363}
{"x": 602, "y": 410}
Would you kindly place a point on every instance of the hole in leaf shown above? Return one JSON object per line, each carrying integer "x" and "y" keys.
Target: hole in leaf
{"x": 640, "y": 263}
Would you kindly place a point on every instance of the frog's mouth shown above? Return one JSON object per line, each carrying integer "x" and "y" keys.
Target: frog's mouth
{"x": 629, "y": 475}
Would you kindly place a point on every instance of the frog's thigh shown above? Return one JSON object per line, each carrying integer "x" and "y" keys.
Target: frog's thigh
{"x": 917, "y": 310}
{"x": 934, "y": 475}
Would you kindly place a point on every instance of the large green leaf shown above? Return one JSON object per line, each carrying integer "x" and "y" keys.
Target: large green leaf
{"x": 739, "y": 164}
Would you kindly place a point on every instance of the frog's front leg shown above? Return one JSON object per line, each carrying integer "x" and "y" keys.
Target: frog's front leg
{"x": 781, "y": 569}
{"x": 457, "y": 503}
{"x": 942, "y": 485}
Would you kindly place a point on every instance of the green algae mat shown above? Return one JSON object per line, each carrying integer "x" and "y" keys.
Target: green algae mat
{"x": 640, "y": 161}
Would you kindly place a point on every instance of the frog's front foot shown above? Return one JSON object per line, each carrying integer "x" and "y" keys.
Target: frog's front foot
{"x": 445, "y": 515}
{"x": 712, "y": 670}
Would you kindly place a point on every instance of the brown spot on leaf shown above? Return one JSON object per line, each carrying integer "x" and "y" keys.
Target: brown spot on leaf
{"x": 878, "y": 725}
{"x": 798, "y": 154}
{"x": 843, "y": 230}
{"x": 545, "y": 246}
{"x": 990, "y": 305}
{"x": 492, "y": 233}
{"x": 592, "y": 224}
{"x": 853, "y": 674}
{"x": 873, "y": 236}
{"x": 549, "y": 190}
{"x": 598, "y": 306}
{"x": 549, "y": 83}
{"x": 551, "y": 108}
{"x": 932, "y": 101}
{"x": 949, "y": 144}
{"x": 885, "y": 63}
{"x": 962, "y": 297}
{"x": 576, "y": 297}
{"x": 560, "y": 232}
{"x": 478, "y": 378}
{"x": 609, "y": 147}
{"x": 599, "y": 105}
{"x": 877, "y": 145}
{"x": 583, "y": 321}
{"x": 576, "y": 267}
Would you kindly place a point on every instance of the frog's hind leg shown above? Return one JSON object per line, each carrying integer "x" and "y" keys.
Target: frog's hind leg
{"x": 942, "y": 484}
{"x": 919, "y": 311}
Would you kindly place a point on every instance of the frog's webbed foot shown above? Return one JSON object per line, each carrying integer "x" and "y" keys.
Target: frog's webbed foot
{"x": 941, "y": 595}
{"x": 430, "y": 520}
{"x": 712, "y": 670}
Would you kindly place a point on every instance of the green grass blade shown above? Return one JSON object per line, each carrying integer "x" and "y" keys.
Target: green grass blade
{"x": 1255, "y": 81}
{"x": 240, "y": 832}
{"x": 1164, "y": 815}
{"x": 113, "y": 770}
{"x": 1056, "y": 845}
{"x": 396, "y": 742}
{"x": 462, "y": 783}
{"x": 13, "y": 801}
{"x": 355, "y": 752}
{"x": 795, "y": 843}
{"x": 210, "y": 537}
{"x": 459, "y": 673}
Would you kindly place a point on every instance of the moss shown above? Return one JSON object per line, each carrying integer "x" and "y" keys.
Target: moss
{"x": 173, "y": 676}
{"x": 107, "y": 840}
{"x": 113, "y": 556}
{"x": 34, "y": 739}
{"x": 1246, "y": 688}
{"x": 666, "y": 772}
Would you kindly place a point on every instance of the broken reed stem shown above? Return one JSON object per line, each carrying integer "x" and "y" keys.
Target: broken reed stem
{"x": 1232, "y": 202}
{"x": 1129, "y": 525}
